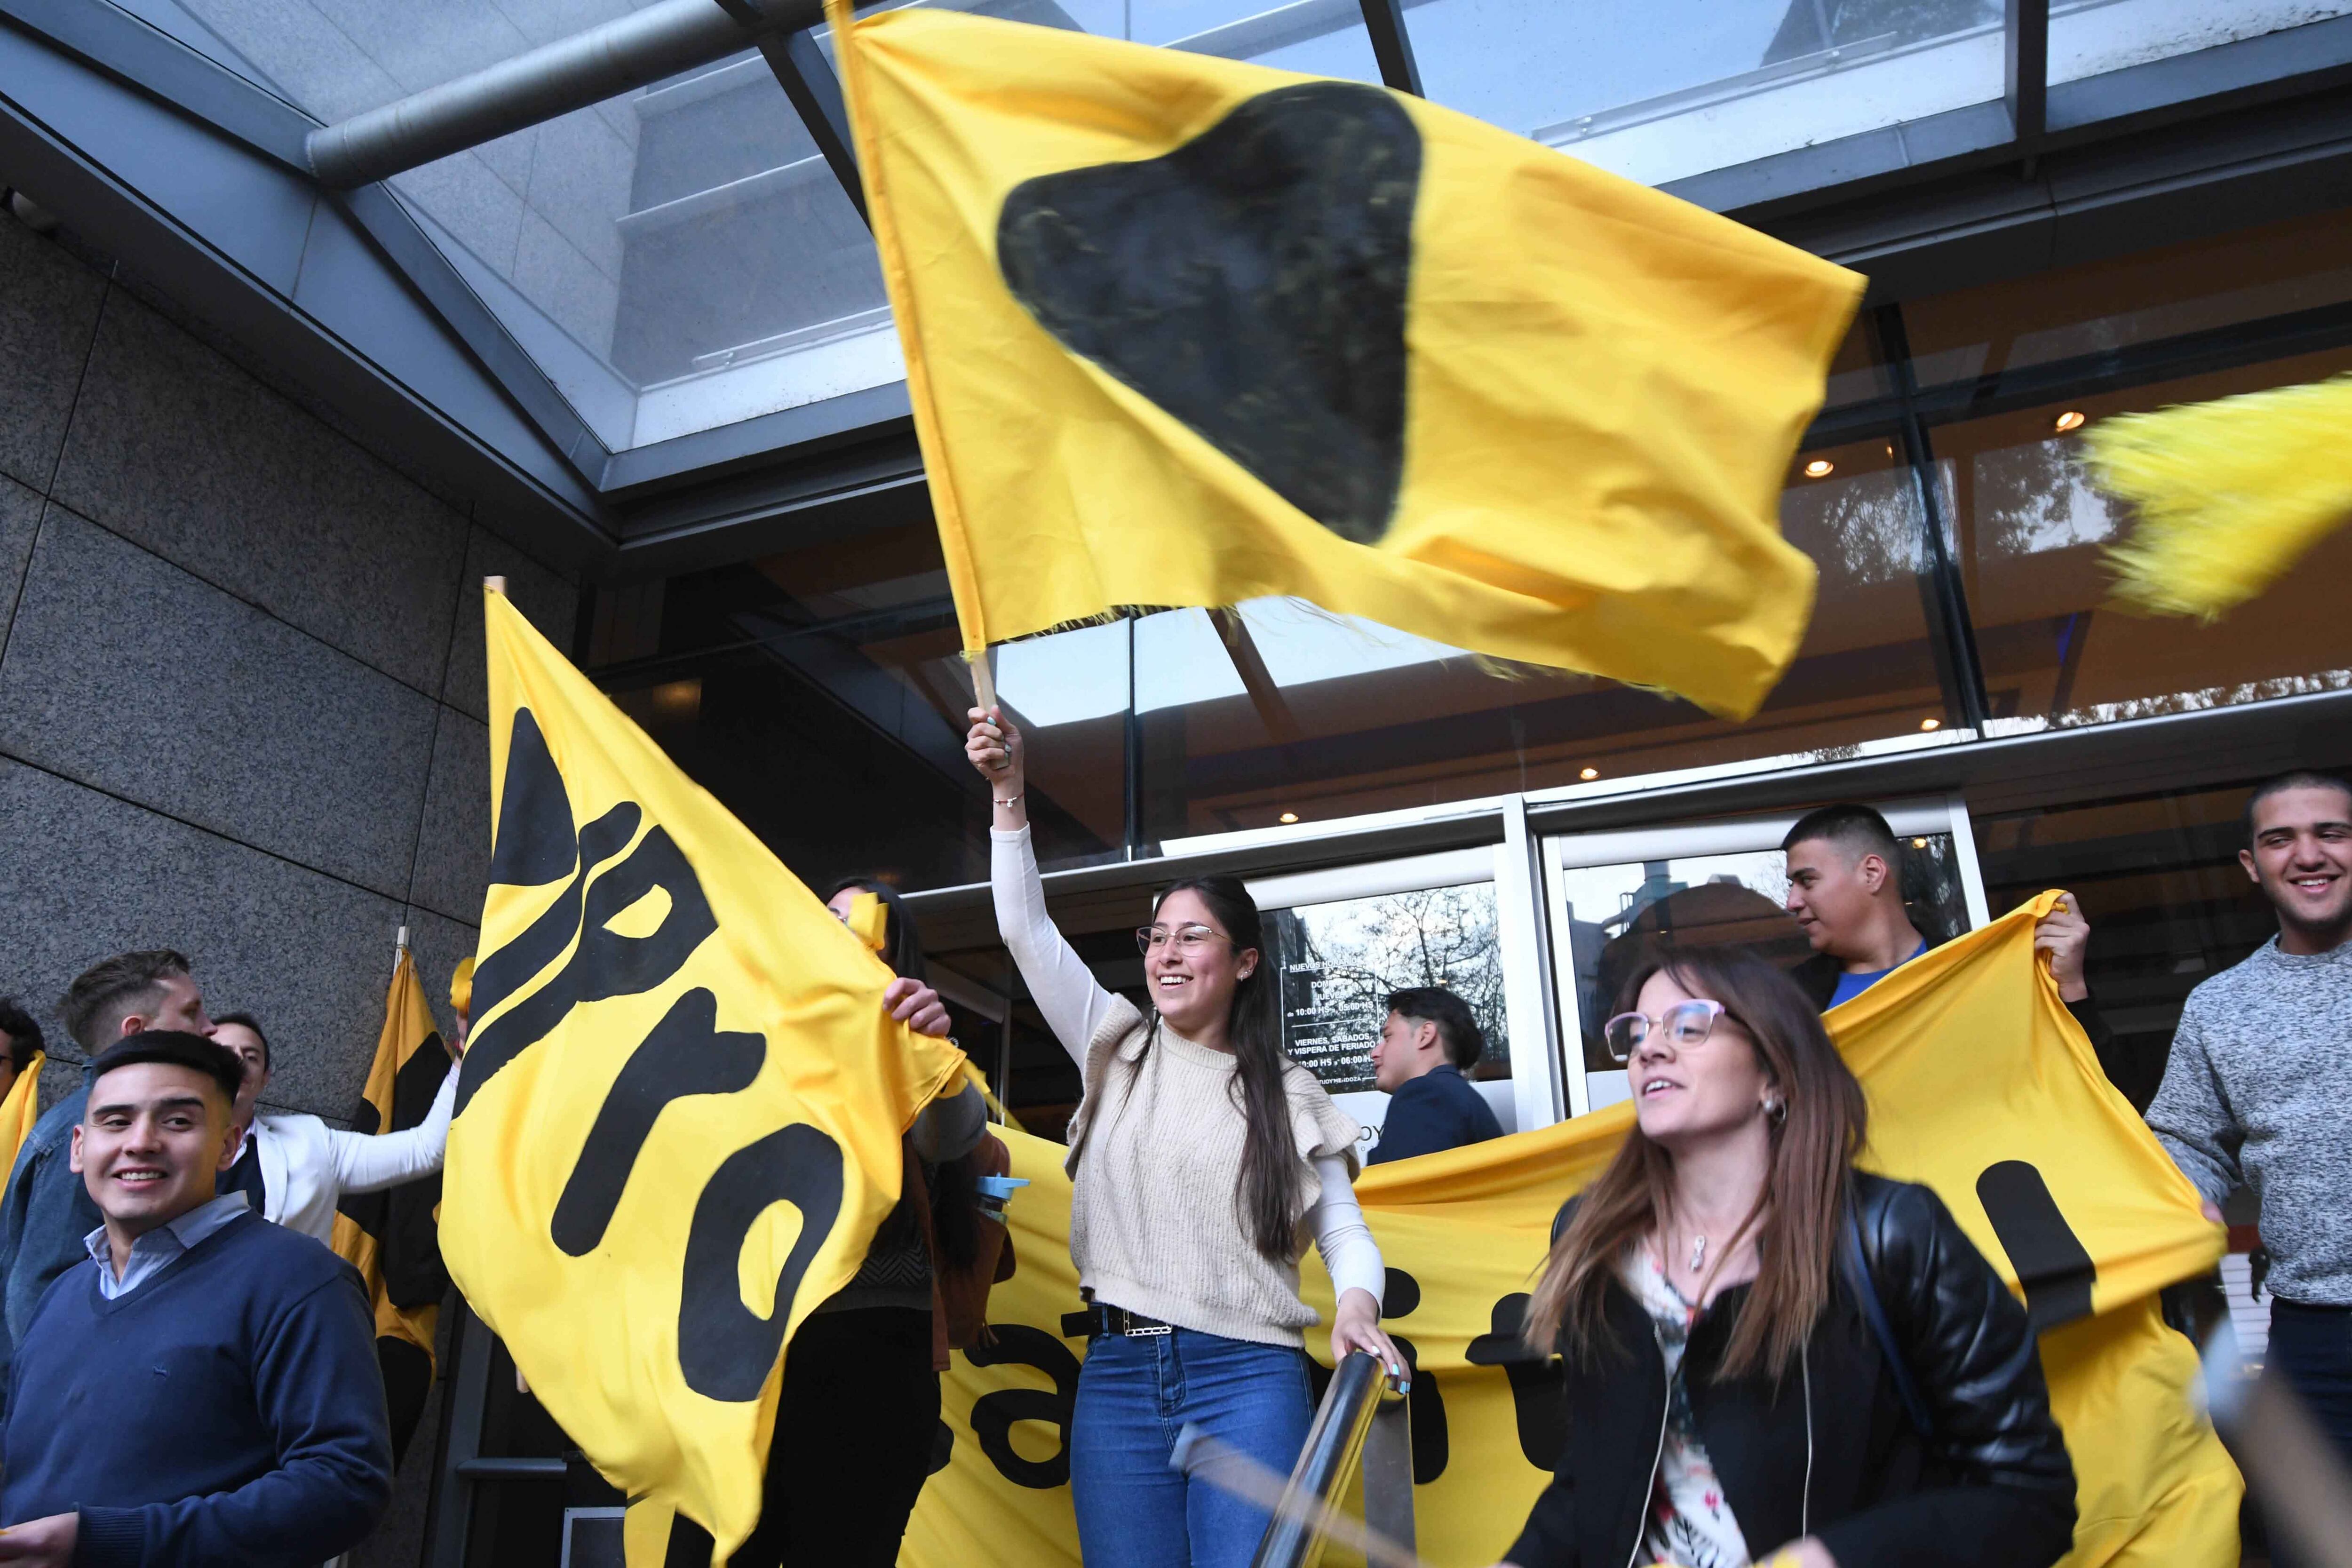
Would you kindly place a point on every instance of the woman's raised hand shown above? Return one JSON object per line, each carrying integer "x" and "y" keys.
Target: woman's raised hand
{"x": 994, "y": 745}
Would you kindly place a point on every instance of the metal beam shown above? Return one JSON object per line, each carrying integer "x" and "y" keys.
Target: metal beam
{"x": 2026, "y": 66}
{"x": 572, "y": 73}
{"x": 1392, "y": 46}
{"x": 807, "y": 79}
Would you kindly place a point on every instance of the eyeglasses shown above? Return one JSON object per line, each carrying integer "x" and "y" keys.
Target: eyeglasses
{"x": 1686, "y": 1024}
{"x": 1188, "y": 940}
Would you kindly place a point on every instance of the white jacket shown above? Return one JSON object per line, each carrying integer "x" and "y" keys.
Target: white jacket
{"x": 307, "y": 1165}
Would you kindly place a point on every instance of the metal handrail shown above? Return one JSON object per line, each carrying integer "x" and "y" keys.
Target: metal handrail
{"x": 1326, "y": 1464}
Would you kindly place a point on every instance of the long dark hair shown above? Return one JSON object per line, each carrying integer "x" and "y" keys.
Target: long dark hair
{"x": 1797, "y": 1215}
{"x": 902, "y": 950}
{"x": 1269, "y": 1189}
{"x": 955, "y": 1185}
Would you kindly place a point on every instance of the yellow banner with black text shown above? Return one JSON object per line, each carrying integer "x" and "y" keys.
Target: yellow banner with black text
{"x": 1980, "y": 1085}
{"x": 679, "y": 1118}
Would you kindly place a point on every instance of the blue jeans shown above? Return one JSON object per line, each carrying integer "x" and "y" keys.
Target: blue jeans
{"x": 1134, "y": 1396}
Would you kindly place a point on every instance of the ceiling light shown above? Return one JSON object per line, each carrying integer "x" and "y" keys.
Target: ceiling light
{"x": 1819, "y": 469}
{"x": 1931, "y": 723}
{"x": 1589, "y": 774}
{"x": 1890, "y": 449}
{"x": 1289, "y": 816}
{"x": 1918, "y": 844}
{"x": 2070, "y": 420}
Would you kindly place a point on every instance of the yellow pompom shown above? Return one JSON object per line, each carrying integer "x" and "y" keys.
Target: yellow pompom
{"x": 2230, "y": 494}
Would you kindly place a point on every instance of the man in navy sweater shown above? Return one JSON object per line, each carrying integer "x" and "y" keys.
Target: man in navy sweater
{"x": 203, "y": 1390}
{"x": 1427, "y": 1040}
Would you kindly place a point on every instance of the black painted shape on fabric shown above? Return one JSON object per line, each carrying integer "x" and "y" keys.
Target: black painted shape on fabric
{"x": 943, "y": 1448}
{"x": 410, "y": 1256}
{"x": 684, "y": 1054}
{"x": 1539, "y": 1384}
{"x": 1399, "y": 1294}
{"x": 535, "y": 840}
{"x": 606, "y": 963}
{"x": 725, "y": 1348}
{"x": 994, "y": 1415}
{"x": 1425, "y": 1410}
{"x": 1252, "y": 283}
{"x": 506, "y": 970}
{"x": 2050, "y": 1260}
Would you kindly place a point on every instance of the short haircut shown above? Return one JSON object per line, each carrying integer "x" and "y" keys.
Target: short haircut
{"x": 24, "y": 1040}
{"x": 1455, "y": 1025}
{"x": 2298, "y": 778}
{"x": 1856, "y": 829}
{"x": 99, "y": 998}
{"x": 246, "y": 1020}
{"x": 175, "y": 1048}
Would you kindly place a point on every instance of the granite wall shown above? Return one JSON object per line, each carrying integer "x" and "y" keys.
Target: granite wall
{"x": 242, "y": 696}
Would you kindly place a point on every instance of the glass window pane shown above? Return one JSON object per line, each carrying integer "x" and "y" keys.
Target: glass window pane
{"x": 2088, "y": 38}
{"x": 1315, "y": 37}
{"x": 1658, "y": 89}
{"x": 2099, "y": 307}
{"x": 1341, "y": 961}
{"x": 1308, "y": 716}
{"x": 2031, "y": 530}
{"x": 676, "y": 259}
{"x": 339, "y": 58}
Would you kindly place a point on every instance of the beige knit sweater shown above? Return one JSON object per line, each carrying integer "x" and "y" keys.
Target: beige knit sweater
{"x": 1156, "y": 1221}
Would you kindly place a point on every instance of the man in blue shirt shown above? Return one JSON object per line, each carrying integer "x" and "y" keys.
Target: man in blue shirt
{"x": 202, "y": 1389}
{"x": 1427, "y": 1040}
{"x": 1845, "y": 887}
{"x": 45, "y": 1210}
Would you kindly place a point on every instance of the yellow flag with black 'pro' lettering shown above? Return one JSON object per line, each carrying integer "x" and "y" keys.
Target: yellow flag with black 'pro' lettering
{"x": 1185, "y": 332}
{"x": 679, "y": 1118}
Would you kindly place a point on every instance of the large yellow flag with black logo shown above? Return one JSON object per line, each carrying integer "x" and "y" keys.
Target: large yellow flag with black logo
{"x": 1980, "y": 1086}
{"x": 678, "y": 1119}
{"x": 389, "y": 1237}
{"x": 1181, "y": 331}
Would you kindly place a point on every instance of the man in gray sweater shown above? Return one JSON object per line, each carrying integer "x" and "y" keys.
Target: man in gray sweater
{"x": 2259, "y": 1089}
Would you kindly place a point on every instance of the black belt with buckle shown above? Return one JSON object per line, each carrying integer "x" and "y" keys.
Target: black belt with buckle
{"x": 1099, "y": 1319}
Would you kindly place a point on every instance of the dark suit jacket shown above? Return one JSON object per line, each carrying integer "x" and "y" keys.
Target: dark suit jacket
{"x": 1439, "y": 1110}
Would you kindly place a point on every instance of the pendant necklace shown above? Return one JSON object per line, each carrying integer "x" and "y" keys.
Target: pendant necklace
{"x": 1698, "y": 1252}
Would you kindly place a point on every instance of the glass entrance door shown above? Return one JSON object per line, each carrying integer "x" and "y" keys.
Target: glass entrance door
{"x": 1345, "y": 938}
{"x": 1616, "y": 896}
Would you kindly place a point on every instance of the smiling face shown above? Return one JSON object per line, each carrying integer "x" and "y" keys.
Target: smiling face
{"x": 1698, "y": 1091}
{"x": 1192, "y": 983}
{"x": 156, "y": 1135}
{"x": 2302, "y": 858}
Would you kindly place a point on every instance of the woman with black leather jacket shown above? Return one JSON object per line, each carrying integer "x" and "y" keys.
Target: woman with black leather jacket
{"x": 1770, "y": 1356}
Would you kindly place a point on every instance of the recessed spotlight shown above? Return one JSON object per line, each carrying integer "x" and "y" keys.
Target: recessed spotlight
{"x": 1918, "y": 844}
{"x": 1890, "y": 449}
{"x": 1289, "y": 816}
{"x": 1589, "y": 774}
{"x": 1931, "y": 723}
{"x": 1819, "y": 469}
{"x": 2070, "y": 420}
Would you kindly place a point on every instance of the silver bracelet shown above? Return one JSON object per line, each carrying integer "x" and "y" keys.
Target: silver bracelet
{"x": 1015, "y": 801}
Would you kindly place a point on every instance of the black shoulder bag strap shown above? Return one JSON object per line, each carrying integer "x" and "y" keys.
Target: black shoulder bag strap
{"x": 1906, "y": 1388}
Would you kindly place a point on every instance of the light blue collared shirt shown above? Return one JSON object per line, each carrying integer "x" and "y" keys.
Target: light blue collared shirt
{"x": 152, "y": 1252}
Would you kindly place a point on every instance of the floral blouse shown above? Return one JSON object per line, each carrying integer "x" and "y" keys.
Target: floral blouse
{"x": 1690, "y": 1519}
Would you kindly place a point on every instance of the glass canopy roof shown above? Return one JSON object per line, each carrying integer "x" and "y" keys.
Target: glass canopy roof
{"x": 681, "y": 257}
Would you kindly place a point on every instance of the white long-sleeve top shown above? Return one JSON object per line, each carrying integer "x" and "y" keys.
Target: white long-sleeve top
{"x": 307, "y": 1165}
{"x": 1165, "y": 1119}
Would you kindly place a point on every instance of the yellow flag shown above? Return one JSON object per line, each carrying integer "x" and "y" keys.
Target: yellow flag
{"x": 18, "y": 1112}
{"x": 389, "y": 1236}
{"x": 679, "y": 1118}
{"x": 1181, "y": 331}
{"x": 1980, "y": 1086}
